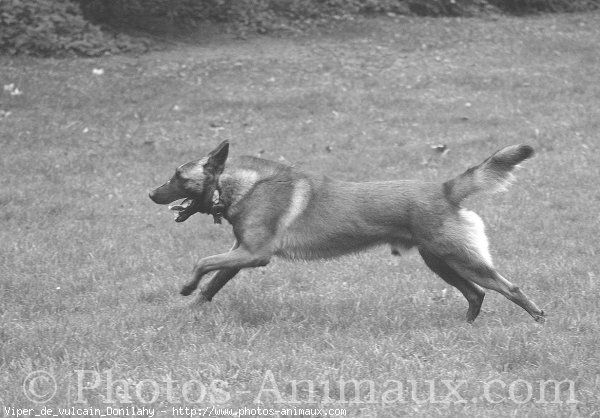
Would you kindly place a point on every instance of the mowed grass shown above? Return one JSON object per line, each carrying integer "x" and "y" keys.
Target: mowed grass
{"x": 91, "y": 268}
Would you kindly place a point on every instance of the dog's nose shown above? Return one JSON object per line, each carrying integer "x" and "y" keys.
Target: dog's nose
{"x": 151, "y": 195}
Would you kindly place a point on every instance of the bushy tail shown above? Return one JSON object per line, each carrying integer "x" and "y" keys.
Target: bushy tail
{"x": 492, "y": 175}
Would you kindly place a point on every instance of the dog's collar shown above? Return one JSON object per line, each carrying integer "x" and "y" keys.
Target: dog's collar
{"x": 217, "y": 208}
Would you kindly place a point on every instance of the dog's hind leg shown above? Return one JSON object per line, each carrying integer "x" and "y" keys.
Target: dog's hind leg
{"x": 486, "y": 276}
{"x": 473, "y": 293}
{"x": 463, "y": 246}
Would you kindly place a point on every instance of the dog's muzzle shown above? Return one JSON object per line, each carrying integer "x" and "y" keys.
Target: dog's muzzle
{"x": 167, "y": 193}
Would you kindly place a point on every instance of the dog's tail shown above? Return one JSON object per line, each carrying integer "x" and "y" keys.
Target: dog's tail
{"x": 492, "y": 175}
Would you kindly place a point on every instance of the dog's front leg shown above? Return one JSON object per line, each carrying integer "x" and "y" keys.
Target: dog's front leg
{"x": 210, "y": 289}
{"x": 235, "y": 260}
{"x": 216, "y": 282}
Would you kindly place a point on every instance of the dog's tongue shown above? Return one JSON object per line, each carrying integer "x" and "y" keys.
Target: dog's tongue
{"x": 179, "y": 208}
{"x": 184, "y": 204}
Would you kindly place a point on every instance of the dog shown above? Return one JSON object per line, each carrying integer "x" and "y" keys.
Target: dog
{"x": 278, "y": 210}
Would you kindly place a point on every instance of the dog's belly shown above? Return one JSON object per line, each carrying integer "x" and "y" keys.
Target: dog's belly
{"x": 325, "y": 244}
{"x": 307, "y": 250}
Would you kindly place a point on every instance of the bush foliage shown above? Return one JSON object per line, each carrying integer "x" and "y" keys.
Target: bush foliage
{"x": 249, "y": 11}
{"x": 55, "y": 28}
{"x": 58, "y": 27}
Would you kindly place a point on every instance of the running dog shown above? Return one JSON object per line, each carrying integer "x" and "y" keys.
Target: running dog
{"x": 277, "y": 210}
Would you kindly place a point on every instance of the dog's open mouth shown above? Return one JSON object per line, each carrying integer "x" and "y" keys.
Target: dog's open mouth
{"x": 183, "y": 209}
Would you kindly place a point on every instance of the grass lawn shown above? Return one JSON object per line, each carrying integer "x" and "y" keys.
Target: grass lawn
{"x": 90, "y": 268}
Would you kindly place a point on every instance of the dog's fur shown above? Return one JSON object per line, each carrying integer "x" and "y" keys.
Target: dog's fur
{"x": 276, "y": 210}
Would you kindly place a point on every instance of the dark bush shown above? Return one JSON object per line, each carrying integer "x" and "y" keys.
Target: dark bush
{"x": 54, "y": 28}
{"x": 258, "y": 13}
{"x": 59, "y": 27}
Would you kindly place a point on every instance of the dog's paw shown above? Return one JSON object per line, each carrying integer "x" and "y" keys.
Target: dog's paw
{"x": 540, "y": 318}
{"x": 187, "y": 290}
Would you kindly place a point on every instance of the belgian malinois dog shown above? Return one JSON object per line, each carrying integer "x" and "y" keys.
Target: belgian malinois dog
{"x": 277, "y": 210}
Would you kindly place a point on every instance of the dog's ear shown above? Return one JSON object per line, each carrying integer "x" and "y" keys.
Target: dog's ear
{"x": 217, "y": 158}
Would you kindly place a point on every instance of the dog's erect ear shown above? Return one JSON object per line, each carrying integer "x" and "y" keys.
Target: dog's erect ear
{"x": 217, "y": 158}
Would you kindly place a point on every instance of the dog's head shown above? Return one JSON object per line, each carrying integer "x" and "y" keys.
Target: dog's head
{"x": 194, "y": 181}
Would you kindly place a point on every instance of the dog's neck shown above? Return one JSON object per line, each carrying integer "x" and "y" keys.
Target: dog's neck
{"x": 211, "y": 202}
{"x": 235, "y": 184}
{"x": 217, "y": 209}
